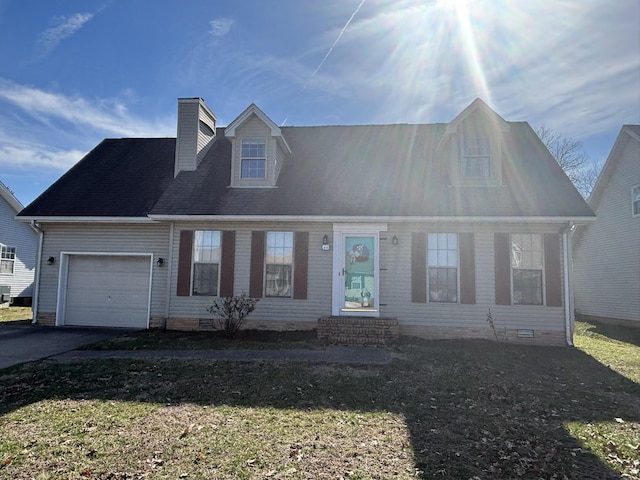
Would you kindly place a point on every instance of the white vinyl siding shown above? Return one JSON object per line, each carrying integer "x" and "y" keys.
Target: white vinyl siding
{"x": 395, "y": 291}
{"x": 269, "y": 310}
{"x": 254, "y": 129}
{"x": 195, "y": 127}
{"x": 25, "y": 241}
{"x": 395, "y": 282}
{"x": 103, "y": 238}
{"x": 607, "y": 252}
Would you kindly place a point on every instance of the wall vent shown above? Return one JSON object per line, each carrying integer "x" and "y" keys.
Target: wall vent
{"x": 525, "y": 334}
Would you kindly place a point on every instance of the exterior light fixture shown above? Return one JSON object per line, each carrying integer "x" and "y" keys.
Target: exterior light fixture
{"x": 51, "y": 260}
{"x": 160, "y": 262}
{"x": 325, "y": 243}
{"x": 394, "y": 239}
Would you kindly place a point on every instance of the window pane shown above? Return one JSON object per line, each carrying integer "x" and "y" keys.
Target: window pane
{"x": 527, "y": 287}
{"x": 278, "y": 281}
{"x": 477, "y": 167}
{"x": 443, "y": 285}
{"x": 6, "y": 266}
{"x": 206, "y": 246}
{"x": 205, "y": 279}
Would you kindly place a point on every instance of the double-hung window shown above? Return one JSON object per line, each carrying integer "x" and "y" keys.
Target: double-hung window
{"x": 206, "y": 262}
{"x": 279, "y": 264}
{"x": 476, "y": 156}
{"x": 7, "y": 259}
{"x": 254, "y": 158}
{"x": 442, "y": 266}
{"x": 527, "y": 268}
{"x": 635, "y": 200}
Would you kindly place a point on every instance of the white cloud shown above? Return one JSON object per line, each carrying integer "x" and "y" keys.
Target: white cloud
{"x": 26, "y": 156}
{"x": 66, "y": 26}
{"x": 109, "y": 117}
{"x": 220, "y": 26}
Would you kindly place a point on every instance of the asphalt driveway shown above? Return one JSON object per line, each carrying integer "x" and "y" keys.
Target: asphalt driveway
{"x": 26, "y": 343}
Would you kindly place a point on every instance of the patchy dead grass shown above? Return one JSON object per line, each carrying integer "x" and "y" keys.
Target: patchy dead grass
{"x": 16, "y": 315}
{"x": 448, "y": 409}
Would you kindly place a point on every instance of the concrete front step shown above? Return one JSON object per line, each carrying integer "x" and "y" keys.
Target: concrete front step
{"x": 365, "y": 331}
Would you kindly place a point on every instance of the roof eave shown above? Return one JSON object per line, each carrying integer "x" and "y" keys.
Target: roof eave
{"x": 577, "y": 220}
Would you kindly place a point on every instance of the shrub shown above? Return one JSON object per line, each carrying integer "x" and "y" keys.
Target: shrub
{"x": 230, "y": 312}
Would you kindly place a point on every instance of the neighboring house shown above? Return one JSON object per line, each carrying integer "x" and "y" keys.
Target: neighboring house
{"x": 432, "y": 224}
{"x": 18, "y": 245}
{"x": 607, "y": 252}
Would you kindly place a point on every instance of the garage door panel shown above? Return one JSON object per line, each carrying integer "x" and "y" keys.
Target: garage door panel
{"x": 107, "y": 291}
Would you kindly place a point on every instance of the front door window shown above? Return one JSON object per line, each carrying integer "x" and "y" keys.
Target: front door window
{"x": 359, "y": 273}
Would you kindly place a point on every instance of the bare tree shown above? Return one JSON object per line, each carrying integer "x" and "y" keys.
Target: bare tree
{"x": 570, "y": 155}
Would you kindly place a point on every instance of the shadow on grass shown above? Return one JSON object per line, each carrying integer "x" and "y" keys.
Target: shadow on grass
{"x": 473, "y": 408}
{"x": 621, "y": 333}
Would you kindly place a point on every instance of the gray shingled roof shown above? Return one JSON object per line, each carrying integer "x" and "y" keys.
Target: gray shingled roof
{"x": 118, "y": 178}
{"x": 377, "y": 170}
{"x": 374, "y": 170}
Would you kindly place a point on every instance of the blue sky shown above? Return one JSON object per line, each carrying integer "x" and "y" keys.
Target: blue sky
{"x": 73, "y": 72}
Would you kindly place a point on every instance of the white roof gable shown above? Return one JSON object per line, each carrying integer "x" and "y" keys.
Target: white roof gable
{"x": 230, "y": 130}
{"x": 10, "y": 198}
{"x": 500, "y": 123}
{"x": 627, "y": 132}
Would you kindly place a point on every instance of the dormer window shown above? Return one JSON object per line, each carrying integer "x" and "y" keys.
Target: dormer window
{"x": 254, "y": 158}
{"x": 476, "y": 156}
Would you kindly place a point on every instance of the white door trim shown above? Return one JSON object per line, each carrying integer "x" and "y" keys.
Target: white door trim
{"x": 340, "y": 231}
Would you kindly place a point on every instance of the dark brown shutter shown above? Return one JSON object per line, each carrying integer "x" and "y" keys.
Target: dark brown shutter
{"x": 256, "y": 272}
{"x": 184, "y": 263}
{"x": 418, "y": 267}
{"x": 227, "y": 263}
{"x": 502, "y": 254}
{"x": 552, "y": 269}
{"x": 301, "y": 265}
{"x": 467, "y": 269}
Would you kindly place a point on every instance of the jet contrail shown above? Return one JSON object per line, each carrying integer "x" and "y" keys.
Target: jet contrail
{"x": 334, "y": 44}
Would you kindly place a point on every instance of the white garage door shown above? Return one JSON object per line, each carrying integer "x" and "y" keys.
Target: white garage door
{"x": 107, "y": 291}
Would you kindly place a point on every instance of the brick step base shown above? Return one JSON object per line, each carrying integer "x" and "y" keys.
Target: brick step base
{"x": 365, "y": 331}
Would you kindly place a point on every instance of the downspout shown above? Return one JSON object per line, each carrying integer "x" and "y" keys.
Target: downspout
{"x": 36, "y": 287}
{"x": 568, "y": 285}
{"x": 167, "y": 305}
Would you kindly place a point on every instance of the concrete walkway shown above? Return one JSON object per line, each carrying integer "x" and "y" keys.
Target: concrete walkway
{"x": 333, "y": 354}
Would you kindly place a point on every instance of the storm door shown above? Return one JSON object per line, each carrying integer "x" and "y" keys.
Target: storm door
{"x": 356, "y": 270}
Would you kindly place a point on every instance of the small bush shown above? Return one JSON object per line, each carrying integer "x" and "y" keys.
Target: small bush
{"x": 230, "y": 312}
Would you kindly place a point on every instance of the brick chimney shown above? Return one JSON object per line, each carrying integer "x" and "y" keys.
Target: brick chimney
{"x": 196, "y": 133}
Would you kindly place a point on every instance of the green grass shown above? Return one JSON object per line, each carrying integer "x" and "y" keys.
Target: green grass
{"x": 442, "y": 409}
{"x": 16, "y": 315}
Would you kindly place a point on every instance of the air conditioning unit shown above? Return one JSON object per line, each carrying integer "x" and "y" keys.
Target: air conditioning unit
{"x": 5, "y": 295}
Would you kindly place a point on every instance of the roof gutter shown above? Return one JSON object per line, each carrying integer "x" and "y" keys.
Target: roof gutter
{"x": 371, "y": 219}
{"x": 62, "y": 219}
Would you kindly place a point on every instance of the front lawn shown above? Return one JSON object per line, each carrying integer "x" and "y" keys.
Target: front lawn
{"x": 16, "y": 315}
{"x": 442, "y": 409}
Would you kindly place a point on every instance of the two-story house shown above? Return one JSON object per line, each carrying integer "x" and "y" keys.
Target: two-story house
{"x": 433, "y": 225}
